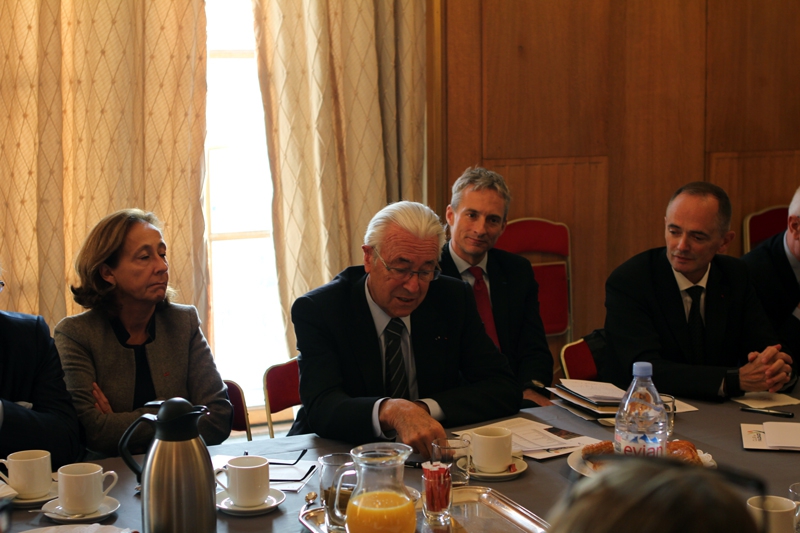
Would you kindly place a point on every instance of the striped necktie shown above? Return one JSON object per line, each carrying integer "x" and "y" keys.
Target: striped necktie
{"x": 396, "y": 379}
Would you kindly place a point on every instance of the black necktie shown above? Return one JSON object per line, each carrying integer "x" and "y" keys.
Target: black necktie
{"x": 396, "y": 380}
{"x": 696, "y": 326}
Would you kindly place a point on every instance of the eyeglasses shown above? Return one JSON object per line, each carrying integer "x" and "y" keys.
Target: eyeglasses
{"x": 405, "y": 274}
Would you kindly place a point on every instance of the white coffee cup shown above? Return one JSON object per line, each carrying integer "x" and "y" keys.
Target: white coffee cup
{"x": 29, "y": 473}
{"x": 491, "y": 448}
{"x": 781, "y": 512}
{"x": 80, "y": 487}
{"x": 248, "y": 480}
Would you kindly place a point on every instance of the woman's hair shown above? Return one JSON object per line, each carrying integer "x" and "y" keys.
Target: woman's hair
{"x": 103, "y": 246}
{"x": 652, "y": 496}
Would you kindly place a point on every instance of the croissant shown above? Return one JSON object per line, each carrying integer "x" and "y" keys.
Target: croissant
{"x": 683, "y": 450}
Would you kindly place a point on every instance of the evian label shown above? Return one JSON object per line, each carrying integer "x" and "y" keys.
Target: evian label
{"x": 639, "y": 445}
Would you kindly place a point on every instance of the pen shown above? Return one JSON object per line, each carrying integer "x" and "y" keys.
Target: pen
{"x": 773, "y": 412}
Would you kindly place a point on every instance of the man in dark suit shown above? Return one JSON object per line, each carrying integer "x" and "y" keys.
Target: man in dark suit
{"x": 36, "y": 411}
{"x": 477, "y": 216}
{"x": 690, "y": 311}
{"x": 387, "y": 350}
{"x": 775, "y": 270}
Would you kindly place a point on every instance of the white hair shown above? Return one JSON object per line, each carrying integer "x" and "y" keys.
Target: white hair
{"x": 794, "y": 207}
{"x": 413, "y": 217}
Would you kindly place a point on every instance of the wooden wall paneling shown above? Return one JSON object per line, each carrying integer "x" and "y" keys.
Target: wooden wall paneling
{"x": 656, "y": 116}
{"x": 753, "y": 75}
{"x": 573, "y": 191}
{"x": 753, "y": 181}
{"x": 463, "y": 89}
{"x": 545, "y": 78}
{"x": 435, "y": 77}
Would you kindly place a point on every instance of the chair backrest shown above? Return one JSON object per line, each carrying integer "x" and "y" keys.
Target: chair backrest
{"x": 537, "y": 235}
{"x": 241, "y": 418}
{"x": 281, "y": 389}
{"x": 577, "y": 361}
{"x": 762, "y": 225}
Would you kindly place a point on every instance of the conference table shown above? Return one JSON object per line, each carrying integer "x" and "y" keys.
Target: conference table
{"x": 713, "y": 428}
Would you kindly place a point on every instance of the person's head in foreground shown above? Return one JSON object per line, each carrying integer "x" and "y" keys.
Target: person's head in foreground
{"x": 653, "y": 496}
{"x": 401, "y": 248}
{"x": 123, "y": 262}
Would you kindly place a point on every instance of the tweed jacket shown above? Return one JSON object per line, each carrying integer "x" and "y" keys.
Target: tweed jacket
{"x": 180, "y": 363}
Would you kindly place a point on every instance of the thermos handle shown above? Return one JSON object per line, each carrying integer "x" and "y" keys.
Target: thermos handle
{"x": 123, "y": 445}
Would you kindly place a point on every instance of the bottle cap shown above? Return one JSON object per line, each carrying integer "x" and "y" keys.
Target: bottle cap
{"x": 642, "y": 369}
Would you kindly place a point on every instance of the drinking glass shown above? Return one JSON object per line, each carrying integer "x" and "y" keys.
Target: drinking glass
{"x": 329, "y": 464}
{"x": 669, "y": 406}
{"x": 794, "y": 495}
{"x": 454, "y": 452}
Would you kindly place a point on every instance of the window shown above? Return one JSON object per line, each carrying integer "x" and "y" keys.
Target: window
{"x": 246, "y": 330}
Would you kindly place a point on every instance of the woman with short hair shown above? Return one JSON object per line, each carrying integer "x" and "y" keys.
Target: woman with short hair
{"x": 134, "y": 345}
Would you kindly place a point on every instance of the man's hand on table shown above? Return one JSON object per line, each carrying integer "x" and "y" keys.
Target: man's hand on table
{"x": 535, "y": 397}
{"x": 769, "y": 370}
{"x": 412, "y": 422}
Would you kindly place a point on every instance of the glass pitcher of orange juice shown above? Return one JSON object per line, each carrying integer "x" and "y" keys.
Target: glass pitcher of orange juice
{"x": 379, "y": 501}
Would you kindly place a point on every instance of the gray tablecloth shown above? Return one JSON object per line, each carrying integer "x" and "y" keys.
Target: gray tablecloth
{"x": 714, "y": 428}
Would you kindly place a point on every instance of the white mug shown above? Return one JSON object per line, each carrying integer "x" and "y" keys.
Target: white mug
{"x": 248, "y": 480}
{"x": 80, "y": 487}
{"x": 781, "y": 512}
{"x": 29, "y": 473}
{"x": 491, "y": 448}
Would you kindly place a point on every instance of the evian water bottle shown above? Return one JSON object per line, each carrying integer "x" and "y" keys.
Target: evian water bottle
{"x": 641, "y": 423}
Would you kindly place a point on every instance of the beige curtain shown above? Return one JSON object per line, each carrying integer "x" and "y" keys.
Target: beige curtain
{"x": 102, "y": 106}
{"x": 343, "y": 83}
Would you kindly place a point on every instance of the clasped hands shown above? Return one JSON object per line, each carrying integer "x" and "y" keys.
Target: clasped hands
{"x": 769, "y": 370}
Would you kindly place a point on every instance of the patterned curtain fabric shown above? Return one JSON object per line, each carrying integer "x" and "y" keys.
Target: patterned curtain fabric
{"x": 102, "y": 106}
{"x": 343, "y": 84}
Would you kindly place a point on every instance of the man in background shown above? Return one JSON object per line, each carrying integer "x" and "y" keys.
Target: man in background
{"x": 36, "y": 411}
{"x": 387, "y": 350}
{"x": 505, "y": 289}
{"x": 692, "y": 311}
{"x": 775, "y": 270}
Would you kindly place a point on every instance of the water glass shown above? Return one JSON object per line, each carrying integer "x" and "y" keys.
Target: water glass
{"x": 669, "y": 406}
{"x": 329, "y": 464}
{"x": 794, "y": 495}
{"x": 456, "y": 453}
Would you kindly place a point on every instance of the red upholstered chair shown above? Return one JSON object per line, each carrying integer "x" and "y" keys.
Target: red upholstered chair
{"x": 537, "y": 235}
{"x": 241, "y": 418}
{"x": 762, "y": 225}
{"x": 281, "y": 389}
{"x": 577, "y": 361}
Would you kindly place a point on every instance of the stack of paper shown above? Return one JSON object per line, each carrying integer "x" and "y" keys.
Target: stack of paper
{"x": 771, "y": 436}
{"x": 599, "y": 397}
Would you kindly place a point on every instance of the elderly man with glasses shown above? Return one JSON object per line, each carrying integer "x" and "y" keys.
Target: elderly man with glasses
{"x": 391, "y": 349}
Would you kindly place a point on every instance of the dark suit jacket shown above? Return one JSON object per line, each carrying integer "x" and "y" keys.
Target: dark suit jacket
{"x": 340, "y": 362}
{"x": 515, "y": 306}
{"x": 30, "y": 371}
{"x": 646, "y": 321}
{"x": 777, "y": 288}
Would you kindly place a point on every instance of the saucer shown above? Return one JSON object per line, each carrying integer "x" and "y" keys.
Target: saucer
{"x": 20, "y": 503}
{"x": 499, "y": 476}
{"x": 226, "y": 505}
{"x": 107, "y": 506}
